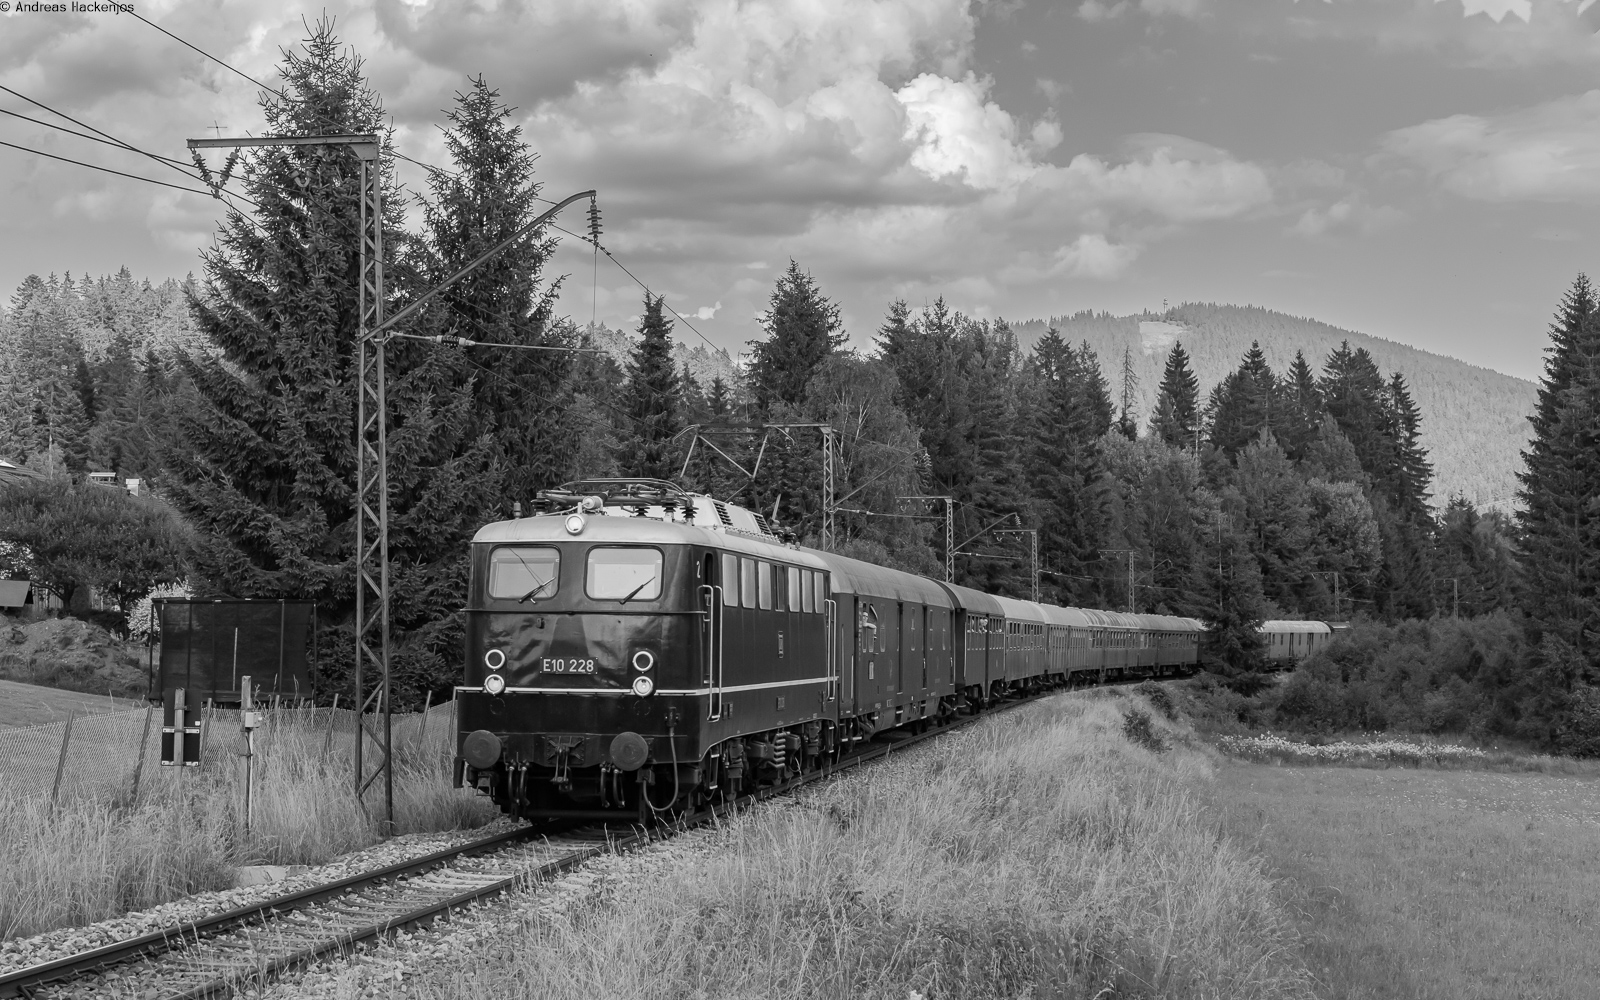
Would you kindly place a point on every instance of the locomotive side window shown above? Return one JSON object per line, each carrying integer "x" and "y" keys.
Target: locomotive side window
{"x": 764, "y": 585}
{"x": 821, "y": 580}
{"x": 794, "y": 588}
{"x": 747, "y": 582}
{"x": 808, "y": 593}
{"x": 730, "y": 580}
{"x": 624, "y": 574}
{"x": 524, "y": 572}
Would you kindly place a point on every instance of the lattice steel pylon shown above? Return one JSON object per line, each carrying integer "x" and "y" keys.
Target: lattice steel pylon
{"x": 372, "y": 501}
{"x": 372, "y": 480}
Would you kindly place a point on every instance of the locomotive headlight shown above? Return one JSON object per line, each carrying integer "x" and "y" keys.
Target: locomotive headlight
{"x": 575, "y": 523}
{"x": 494, "y": 659}
{"x": 643, "y": 686}
{"x": 494, "y": 684}
{"x": 643, "y": 660}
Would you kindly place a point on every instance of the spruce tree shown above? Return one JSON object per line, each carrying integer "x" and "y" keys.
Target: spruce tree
{"x": 1302, "y": 410}
{"x": 521, "y": 399}
{"x": 1559, "y": 518}
{"x": 803, "y": 329}
{"x": 1243, "y": 404}
{"x": 1355, "y": 395}
{"x": 1070, "y": 413}
{"x": 652, "y": 397}
{"x": 1127, "y": 425}
{"x": 1413, "y": 473}
{"x": 1177, "y": 416}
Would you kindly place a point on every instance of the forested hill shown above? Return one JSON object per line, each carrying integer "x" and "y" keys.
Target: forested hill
{"x": 703, "y": 363}
{"x": 1475, "y": 420}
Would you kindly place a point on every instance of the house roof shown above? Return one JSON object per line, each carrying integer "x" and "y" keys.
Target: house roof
{"x": 10, "y": 473}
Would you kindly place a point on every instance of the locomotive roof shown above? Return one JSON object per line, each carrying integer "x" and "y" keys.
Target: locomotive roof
{"x": 1318, "y": 628}
{"x": 640, "y": 531}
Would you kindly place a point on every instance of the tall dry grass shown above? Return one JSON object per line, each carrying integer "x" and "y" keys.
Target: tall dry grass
{"x": 97, "y": 856}
{"x": 1040, "y": 854}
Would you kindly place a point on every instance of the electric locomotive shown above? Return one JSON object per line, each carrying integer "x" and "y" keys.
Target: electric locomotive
{"x": 635, "y": 649}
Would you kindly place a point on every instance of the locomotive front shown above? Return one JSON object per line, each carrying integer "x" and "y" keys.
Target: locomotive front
{"x": 583, "y": 691}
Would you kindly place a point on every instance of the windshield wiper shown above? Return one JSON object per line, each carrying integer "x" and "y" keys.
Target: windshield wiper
{"x": 635, "y": 590}
{"x": 530, "y": 594}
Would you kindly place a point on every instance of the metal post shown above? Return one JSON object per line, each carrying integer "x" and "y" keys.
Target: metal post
{"x": 949, "y": 540}
{"x": 245, "y": 707}
{"x": 372, "y": 500}
{"x": 1033, "y": 548}
{"x": 827, "y": 486}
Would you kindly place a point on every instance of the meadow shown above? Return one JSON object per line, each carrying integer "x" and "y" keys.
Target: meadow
{"x": 1428, "y": 883}
{"x": 1041, "y": 854}
{"x": 102, "y": 852}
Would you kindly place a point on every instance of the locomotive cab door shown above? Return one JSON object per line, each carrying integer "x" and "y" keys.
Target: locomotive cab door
{"x": 711, "y": 637}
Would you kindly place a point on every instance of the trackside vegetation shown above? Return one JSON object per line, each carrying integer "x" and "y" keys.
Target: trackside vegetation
{"x": 1040, "y": 853}
{"x": 183, "y": 831}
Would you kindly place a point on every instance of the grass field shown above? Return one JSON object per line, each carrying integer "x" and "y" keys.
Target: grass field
{"x": 1429, "y": 883}
{"x": 33, "y": 705}
{"x": 1040, "y": 854}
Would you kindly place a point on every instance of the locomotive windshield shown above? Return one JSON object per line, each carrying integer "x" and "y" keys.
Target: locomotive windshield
{"x": 624, "y": 574}
{"x": 524, "y": 572}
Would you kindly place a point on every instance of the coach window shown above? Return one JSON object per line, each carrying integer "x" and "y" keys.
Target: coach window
{"x": 808, "y": 591}
{"x": 624, "y": 574}
{"x": 524, "y": 572}
{"x": 747, "y": 582}
{"x": 764, "y": 585}
{"x": 730, "y": 580}
{"x": 792, "y": 578}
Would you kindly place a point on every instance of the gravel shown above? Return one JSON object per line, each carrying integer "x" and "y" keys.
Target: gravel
{"x": 21, "y": 953}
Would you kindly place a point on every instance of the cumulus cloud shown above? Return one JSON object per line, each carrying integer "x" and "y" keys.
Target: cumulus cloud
{"x": 1350, "y": 214}
{"x": 1093, "y": 256}
{"x": 1546, "y": 153}
{"x": 708, "y": 312}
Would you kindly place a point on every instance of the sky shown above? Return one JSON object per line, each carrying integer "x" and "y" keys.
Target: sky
{"x": 1420, "y": 170}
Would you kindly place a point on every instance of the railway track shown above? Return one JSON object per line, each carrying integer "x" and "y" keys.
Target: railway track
{"x": 215, "y": 956}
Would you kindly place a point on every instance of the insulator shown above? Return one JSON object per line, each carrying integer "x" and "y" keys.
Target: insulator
{"x": 594, "y": 222}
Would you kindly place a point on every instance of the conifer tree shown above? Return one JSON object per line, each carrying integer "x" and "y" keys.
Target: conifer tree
{"x": 1127, "y": 426}
{"x": 521, "y": 399}
{"x": 1242, "y": 405}
{"x": 1559, "y": 520}
{"x": 1412, "y": 471}
{"x": 1177, "y": 416}
{"x": 803, "y": 329}
{"x": 1070, "y": 413}
{"x": 652, "y": 397}
{"x": 1355, "y": 394}
{"x": 1302, "y": 409}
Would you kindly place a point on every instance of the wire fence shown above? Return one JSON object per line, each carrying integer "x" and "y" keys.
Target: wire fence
{"x": 108, "y": 755}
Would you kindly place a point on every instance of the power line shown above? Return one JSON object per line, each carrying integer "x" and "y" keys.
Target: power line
{"x": 163, "y": 160}
{"x": 91, "y": 166}
{"x": 80, "y": 135}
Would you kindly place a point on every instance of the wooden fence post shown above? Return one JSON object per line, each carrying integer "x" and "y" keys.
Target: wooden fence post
{"x": 138, "y": 769}
{"x": 61, "y": 762}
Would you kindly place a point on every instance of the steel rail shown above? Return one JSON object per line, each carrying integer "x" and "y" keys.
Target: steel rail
{"x": 20, "y": 982}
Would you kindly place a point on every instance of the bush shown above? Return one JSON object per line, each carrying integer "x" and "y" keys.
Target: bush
{"x": 1136, "y": 727}
{"x": 1159, "y": 698}
{"x": 1435, "y": 676}
{"x": 1579, "y": 732}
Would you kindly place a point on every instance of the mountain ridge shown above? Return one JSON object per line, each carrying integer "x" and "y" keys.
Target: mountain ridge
{"x": 1475, "y": 419}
